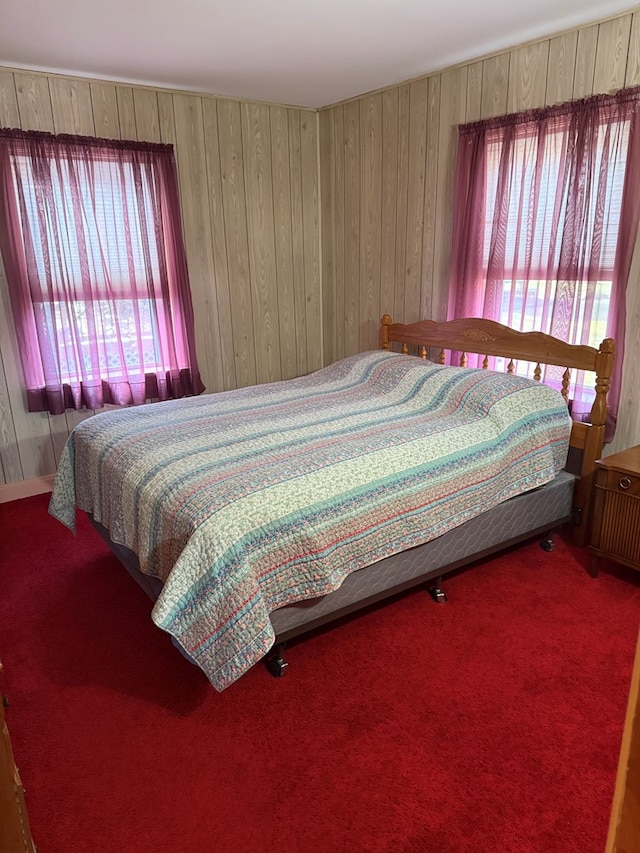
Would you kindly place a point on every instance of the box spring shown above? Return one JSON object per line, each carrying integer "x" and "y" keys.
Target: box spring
{"x": 513, "y": 521}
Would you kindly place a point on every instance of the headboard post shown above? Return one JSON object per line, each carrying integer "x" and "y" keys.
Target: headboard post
{"x": 593, "y": 442}
{"x": 604, "y": 369}
{"x": 385, "y": 322}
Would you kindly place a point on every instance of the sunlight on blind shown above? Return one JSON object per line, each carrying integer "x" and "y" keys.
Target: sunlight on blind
{"x": 104, "y": 225}
{"x": 537, "y": 197}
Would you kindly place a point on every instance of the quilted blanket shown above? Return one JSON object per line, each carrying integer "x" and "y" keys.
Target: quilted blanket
{"x": 245, "y": 501}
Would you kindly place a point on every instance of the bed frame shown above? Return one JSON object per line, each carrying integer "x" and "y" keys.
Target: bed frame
{"x": 567, "y": 499}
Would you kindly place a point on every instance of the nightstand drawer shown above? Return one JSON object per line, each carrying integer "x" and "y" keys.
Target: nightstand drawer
{"x": 619, "y": 481}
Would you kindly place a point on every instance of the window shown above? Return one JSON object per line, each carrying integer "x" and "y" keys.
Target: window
{"x": 545, "y": 219}
{"x": 90, "y": 235}
{"x": 527, "y": 294}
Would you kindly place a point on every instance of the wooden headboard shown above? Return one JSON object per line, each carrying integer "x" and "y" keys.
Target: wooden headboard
{"x": 487, "y": 338}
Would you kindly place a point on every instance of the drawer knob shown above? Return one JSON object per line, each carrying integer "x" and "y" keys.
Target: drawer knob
{"x": 624, "y": 483}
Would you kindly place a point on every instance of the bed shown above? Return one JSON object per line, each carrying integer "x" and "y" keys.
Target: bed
{"x": 253, "y": 516}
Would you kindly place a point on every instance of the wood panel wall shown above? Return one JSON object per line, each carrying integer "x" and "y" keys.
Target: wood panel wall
{"x": 270, "y": 300}
{"x": 248, "y": 176}
{"x": 387, "y": 171}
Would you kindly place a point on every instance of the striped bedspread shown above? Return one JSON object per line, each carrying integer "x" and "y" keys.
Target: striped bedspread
{"x": 244, "y": 501}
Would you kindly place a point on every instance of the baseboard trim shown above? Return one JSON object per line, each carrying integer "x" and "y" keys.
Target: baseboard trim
{"x": 26, "y": 488}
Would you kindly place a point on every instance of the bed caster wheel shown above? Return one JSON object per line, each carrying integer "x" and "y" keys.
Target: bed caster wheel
{"x": 438, "y": 594}
{"x": 548, "y": 544}
{"x": 277, "y": 666}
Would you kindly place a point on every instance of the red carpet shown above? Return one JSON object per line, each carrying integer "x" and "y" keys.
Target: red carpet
{"x": 491, "y": 723}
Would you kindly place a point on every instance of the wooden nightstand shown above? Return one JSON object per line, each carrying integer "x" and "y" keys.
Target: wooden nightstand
{"x": 616, "y": 509}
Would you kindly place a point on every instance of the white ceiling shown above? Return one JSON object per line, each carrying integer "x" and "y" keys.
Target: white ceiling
{"x": 283, "y": 51}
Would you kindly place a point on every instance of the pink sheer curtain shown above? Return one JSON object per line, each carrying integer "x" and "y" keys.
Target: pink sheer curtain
{"x": 546, "y": 212}
{"x": 91, "y": 239}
